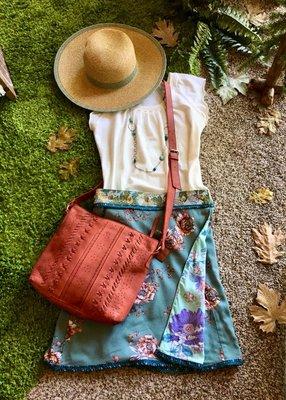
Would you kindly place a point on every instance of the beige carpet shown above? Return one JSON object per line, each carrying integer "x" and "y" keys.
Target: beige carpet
{"x": 235, "y": 161}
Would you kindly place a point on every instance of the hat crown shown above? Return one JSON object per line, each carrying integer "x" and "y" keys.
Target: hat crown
{"x": 109, "y": 56}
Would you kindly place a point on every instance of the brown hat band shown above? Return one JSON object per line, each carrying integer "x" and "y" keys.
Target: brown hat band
{"x": 114, "y": 85}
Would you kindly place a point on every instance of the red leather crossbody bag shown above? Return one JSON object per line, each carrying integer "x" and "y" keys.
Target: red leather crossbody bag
{"x": 93, "y": 267}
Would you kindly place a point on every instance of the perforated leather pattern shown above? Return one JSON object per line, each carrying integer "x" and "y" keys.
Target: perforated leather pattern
{"x": 93, "y": 267}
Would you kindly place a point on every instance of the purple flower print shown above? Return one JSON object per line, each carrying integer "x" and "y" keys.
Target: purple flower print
{"x": 187, "y": 328}
{"x": 199, "y": 282}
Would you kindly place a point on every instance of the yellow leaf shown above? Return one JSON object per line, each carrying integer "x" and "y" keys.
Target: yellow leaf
{"x": 261, "y": 196}
{"x": 269, "y": 121}
{"x": 61, "y": 140}
{"x": 271, "y": 311}
{"x": 69, "y": 169}
{"x": 165, "y": 32}
{"x": 267, "y": 243}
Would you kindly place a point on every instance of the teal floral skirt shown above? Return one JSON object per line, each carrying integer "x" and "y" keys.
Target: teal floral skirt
{"x": 180, "y": 320}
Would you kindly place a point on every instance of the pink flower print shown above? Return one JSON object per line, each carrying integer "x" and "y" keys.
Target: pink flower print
{"x": 185, "y": 222}
{"x": 189, "y": 297}
{"x": 146, "y": 293}
{"x": 194, "y": 299}
{"x": 53, "y": 356}
{"x": 146, "y": 346}
{"x": 72, "y": 329}
{"x": 197, "y": 269}
{"x": 211, "y": 297}
{"x": 115, "y": 358}
{"x": 174, "y": 239}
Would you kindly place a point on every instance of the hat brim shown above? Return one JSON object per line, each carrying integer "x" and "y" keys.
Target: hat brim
{"x": 71, "y": 78}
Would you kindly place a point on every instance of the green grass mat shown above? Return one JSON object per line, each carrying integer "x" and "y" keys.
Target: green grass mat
{"x": 32, "y": 196}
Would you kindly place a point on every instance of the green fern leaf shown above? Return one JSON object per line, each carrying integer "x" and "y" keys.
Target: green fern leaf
{"x": 203, "y": 36}
{"x": 219, "y": 50}
{"x": 216, "y": 73}
{"x": 235, "y": 22}
{"x": 234, "y": 42}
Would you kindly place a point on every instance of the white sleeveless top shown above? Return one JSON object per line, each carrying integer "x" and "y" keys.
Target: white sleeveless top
{"x": 133, "y": 143}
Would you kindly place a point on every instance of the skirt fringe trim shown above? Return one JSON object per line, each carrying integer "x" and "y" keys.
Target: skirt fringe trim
{"x": 173, "y": 365}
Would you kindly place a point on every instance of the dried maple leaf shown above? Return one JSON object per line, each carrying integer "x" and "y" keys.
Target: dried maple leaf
{"x": 256, "y": 15}
{"x": 271, "y": 311}
{"x": 268, "y": 122}
{"x": 261, "y": 196}
{"x": 165, "y": 32}
{"x": 267, "y": 243}
{"x": 62, "y": 140}
{"x": 69, "y": 169}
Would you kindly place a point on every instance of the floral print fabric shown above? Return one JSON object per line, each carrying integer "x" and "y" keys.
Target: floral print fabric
{"x": 180, "y": 319}
{"x": 127, "y": 198}
{"x": 184, "y": 333}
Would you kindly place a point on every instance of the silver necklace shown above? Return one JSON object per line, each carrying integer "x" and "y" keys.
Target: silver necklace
{"x": 133, "y": 130}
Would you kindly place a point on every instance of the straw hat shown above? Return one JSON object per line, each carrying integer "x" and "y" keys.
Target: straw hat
{"x": 109, "y": 67}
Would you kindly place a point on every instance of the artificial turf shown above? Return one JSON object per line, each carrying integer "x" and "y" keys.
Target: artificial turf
{"x": 32, "y": 195}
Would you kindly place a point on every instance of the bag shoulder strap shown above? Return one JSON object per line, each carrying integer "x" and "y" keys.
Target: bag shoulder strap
{"x": 173, "y": 163}
{"x": 173, "y": 151}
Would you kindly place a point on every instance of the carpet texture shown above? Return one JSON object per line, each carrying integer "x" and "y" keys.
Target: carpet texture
{"x": 235, "y": 161}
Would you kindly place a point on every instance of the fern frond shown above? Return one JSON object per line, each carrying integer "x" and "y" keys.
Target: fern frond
{"x": 216, "y": 73}
{"x": 203, "y": 36}
{"x": 234, "y": 42}
{"x": 235, "y": 22}
{"x": 219, "y": 50}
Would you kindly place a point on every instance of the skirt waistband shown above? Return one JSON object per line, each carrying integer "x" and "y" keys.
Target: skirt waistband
{"x": 130, "y": 198}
